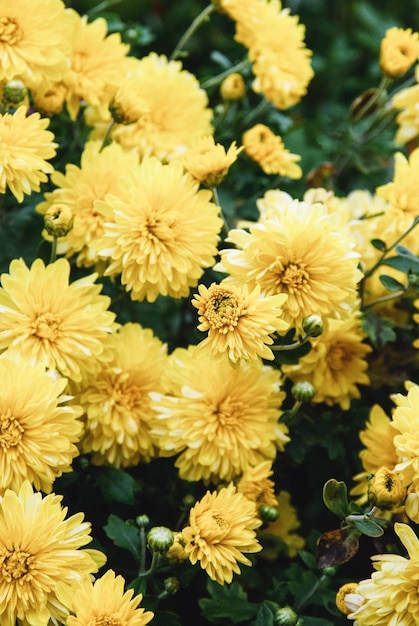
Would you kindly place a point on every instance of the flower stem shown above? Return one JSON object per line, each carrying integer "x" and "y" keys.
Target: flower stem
{"x": 53, "y": 255}
{"x": 200, "y": 19}
{"x": 153, "y": 566}
{"x": 392, "y": 296}
{"x": 217, "y": 202}
{"x": 107, "y": 136}
{"x": 216, "y": 80}
{"x": 292, "y": 346}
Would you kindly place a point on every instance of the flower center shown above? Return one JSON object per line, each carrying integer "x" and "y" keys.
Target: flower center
{"x": 214, "y": 526}
{"x": 295, "y": 277}
{"x": 10, "y": 32}
{"x": 223, "y": 311}
{"x": 11, "y": 432}
{"x": 106, "y": 620}
{"x": 229, "y": 412}
{"x": 46, "y": 326}
{"x": 162, "y": 228}
{"x": 337, "y": 357}
{"x": 15, "y": 565}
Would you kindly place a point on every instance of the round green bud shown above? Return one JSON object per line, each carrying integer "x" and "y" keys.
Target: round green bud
{"x": 313, "y": 325}
{"x": 171, "y": 585}
{"x": 303, "y": 391}
{"x": 268, "y": 513}
{"x": 14, "y": 93}
{"x": 189, "y": 500}
{"x": 142, "y": 521}
{"x": 159, "y": 539}
{"x": 286, "y": 617}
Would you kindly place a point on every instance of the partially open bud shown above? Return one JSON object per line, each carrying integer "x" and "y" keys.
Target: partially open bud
{"x": 313, "y": 325}
{"x": 303, "y": 391}
{"x": 128, "y": 106}
{"x": 386, "y": 490}
{"x": 58, "y": 220}
{"x": 268, "y": 513}
{"x": 14, "y": 94}
{"x": 50, "y": 102}
{"x": 177, "y": 553}
{"x": 286, "y": 617}
{"x": 160, "y": 539}
{"x": 233, "y": 87}
{"x": 347, "y": 598}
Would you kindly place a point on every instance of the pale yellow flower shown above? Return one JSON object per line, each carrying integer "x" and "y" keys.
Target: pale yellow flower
{"x": 209, "y": 162}
{"x": 268, "y": 149}
{"x": 399, "y": 51}
{"x": 406, "y": 434}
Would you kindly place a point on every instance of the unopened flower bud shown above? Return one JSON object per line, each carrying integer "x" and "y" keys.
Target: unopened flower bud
{"x": 189, "y": 500}
{"x": 159, "y": 539}
{"x": 286, "y": 617}
{"x": 303, "y": 391}
{"x": 50, "y": 102}
{"x": 171, "y": 585}
{"x": 128, "y": 106}
{"x": 313, "y": 325}
{"x": 347, "y": 598}
{"x": 268, "y": 513}
{"x": 58, "y": 220}
{"x": 142, "y": 521}
{"x": 177, "y": 553}
{"x": 14, "y": 93}
{"x": 386, "y": 490}
{"x": 233, "y": 87}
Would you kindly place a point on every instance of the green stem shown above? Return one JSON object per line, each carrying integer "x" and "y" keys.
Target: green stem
{"x": 382, "y": 88}
{"x": 197, "y": 22}
{"x": 53, "y": 255}
{"x": 153, "y": 566}
{"x": 292, "y": 346}
{"x": 392, "y": 296}
{"x": 107, "y": 136}
{"x": 142, "y": 551}
{"x": 216, "y": 80}
{"x": 362, "y": 517}
{"x": 303, "y": 601}
{"x": 217, "y": 202}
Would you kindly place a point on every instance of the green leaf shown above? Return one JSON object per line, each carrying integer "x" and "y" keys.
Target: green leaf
{"x": 115, "y": 484}
{"x": 402, "y": 263}
{"x": 379, "y": 329}
{"x": 308, "y": 559}
{"x": 379, "y": 244}
{"x": 369, "y": 528}
{"x": 123, "y": 535}
{"x": 227, "y": 601}
{"x": 166, "y": 618}
{"x": 266, "y": 614}
{"x": 335, "y": 497}
{"x": 139, "y": 585}
{"x": 391, "y": 283}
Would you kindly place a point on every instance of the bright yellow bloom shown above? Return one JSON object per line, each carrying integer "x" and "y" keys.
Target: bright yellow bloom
{"x": 403, "y": 192}
{"x": 336, "y": 364}
{"x": 256, "y": 485}
{"x": 62, "y": 325}
{"x": 239, "y": 324}
{"x": 300, "y": 251}
{"x": 99, "y": 174}
{"x": 104, "y": 602}
{"x": 160, "y": 232}
{"x": 97, "y": 64}
{"x": 37, "y": 431}
{"x": 391, "y": 594}
{"x": 209, "y": 162}
{"x": 128, "y": 105}
{"x": 379, "y": 450}
{"x": 386, "y": 489}
{"x": 35, "y": 39}
{"x": 282, "y": 533}
{"x": 116, "y": 400}
{"x": 406, "y": 439}
{"x": 221, "y": 528}
{"x": 39, "y": 549}
{"x": 408, "y": 119}
{"x": 178, "y": 106}
{"x": 399, "y": 51}
{"x": 221, "y": 419}
{"x": 267, "y": 149}
{"x": 24, "y": 149}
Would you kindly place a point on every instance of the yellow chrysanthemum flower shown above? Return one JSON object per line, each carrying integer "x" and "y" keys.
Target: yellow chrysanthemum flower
{"x": 104, "y": 602}
{"x": 221, "y": 528}
{"x": 416, "y": 319}
{"x": 99, "y": 174}
{"x": 209, "y": 162}
{"x": 233, "y": 87}
{"x": 116, "y": 401}
{"x": 39, "y": 549}
{"x": 267, "y": 149}
{"x": 239, "y": 323}
{"x": 300, "y": 251}
{"x": 391, "y": 594}
{"x": 97, "y": 64}
{"x": 336, "y": 364}
{"x": 37, "y": 432}
{"x": 284, "y": 529}
{"x": 256, "y": 485}
{"x": 35, "y": 39}
{"x": 62, "y": 325}
{"x": 178, "y": 106}
{"x": 408, "y": 119}
{"x": 406, "y": 437}
{"x": 160, "y": 232}
{"x": 221, "y": 419}
{"x": 25, "y": 146}
{"x": 399, "y": 51}
{"x": 379, "y": 450}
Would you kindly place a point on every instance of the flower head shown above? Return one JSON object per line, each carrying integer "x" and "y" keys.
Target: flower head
{"x": 256, "y": 485}
{"x": 403, "y": 191}
{"x": 37, "y": 430}
{"x": 344, "y": 598}
{"x": 99, "y": 174}
{"x": 386, "y": 489}
{"x": 34, "y": 40}
{"x": 128, "y": 105}
{"x": 46, "y": 318}
{"x": 118, "y": 413}
{"x": 221, "y": 529}
{"x": 105, "y": 602}
{"x": 239, "y": 324}
{"x": 268, "y": 149}
{"x": 25, "y": 147}
{"x": 209, "y": 162}
{"x": 399, "y": 50}
{"x": 391, "y": 594}
{"x": 221, "y": 419}
{"x": 160, "y": 232}
{"x": 406, "y": 436}
{"x": 40, "y": 550}
{"x": 58, "y": 220}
